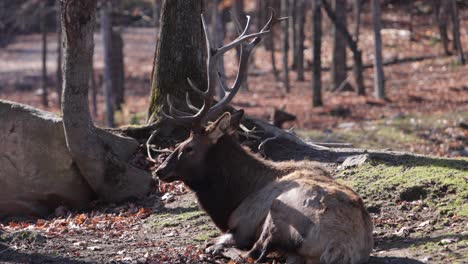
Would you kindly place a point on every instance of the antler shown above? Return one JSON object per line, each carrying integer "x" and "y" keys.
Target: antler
{"x": 247, "y": 43}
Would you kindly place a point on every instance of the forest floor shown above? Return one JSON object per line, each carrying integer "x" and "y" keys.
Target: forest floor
{"x": 418, "y": 208}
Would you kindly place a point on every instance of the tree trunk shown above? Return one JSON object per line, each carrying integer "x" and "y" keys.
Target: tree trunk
{"x": 379, "y": 79}
{"x": 238, "y": 9}
{"x": 338, "y": 66}
{"x": 156, "y": 12}
{"x": 292, "y": 30}
{"x": 59, "y": 55}
{"x": 179, "y": 55}
{"x": 285, "y": 44}
{"x": 317, "y": 52}
{"x": 43, "y": 25}
{"x": 444, "y": 8}
{"x": 106, "y": 32}
{"x": 352, "y": 44}
{"x": 117, "y": 69}
{"x": 301, "y": 11}
{"x": 217, "y": 33}
{"x": 101, "y": 157}
{"x": 456, "y": 32}
{"x": 357, "y": 8}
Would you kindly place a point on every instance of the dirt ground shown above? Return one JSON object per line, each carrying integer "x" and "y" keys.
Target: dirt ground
{"x": 427, "y": 113}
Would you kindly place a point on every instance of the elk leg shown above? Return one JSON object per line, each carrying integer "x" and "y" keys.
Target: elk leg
{"x": 216, "y": 246}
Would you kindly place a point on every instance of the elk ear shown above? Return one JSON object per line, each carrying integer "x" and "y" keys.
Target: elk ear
{"x": 219, "y": 127}
{"x": 236, "y": 118}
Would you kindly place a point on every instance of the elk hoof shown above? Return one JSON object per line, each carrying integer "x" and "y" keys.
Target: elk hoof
{"x": 216, "y": 249}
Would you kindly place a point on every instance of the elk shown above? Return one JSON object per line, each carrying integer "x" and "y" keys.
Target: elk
{"x": 262, "y": 206}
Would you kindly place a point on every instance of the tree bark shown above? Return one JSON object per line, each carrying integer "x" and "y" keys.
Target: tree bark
{"x": 292, "y": 30}
{"x": 101, "y": 157}
{"x": 43, "y": 26}
{"x": 179, "y": 55}
{"x": 379, "y": 78}
{"x": 106, "y": 32}
{"x": 59, "y": 54}
{"x": 317, "y": 52}
{"x": 456, "y": 32}
{"x": 285, "y": 44}
{"x": 338, "y": 66}
{"x": 301, "y": 11}
{"x": 352, "y": 44}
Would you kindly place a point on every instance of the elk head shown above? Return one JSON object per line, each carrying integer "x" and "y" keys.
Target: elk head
{"x": 188, "y": 159}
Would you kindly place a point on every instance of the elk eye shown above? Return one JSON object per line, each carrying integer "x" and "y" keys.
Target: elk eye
{"x": 188, "y": 150}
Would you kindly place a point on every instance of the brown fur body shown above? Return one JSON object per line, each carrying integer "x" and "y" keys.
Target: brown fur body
{"x": 263, "y": 206}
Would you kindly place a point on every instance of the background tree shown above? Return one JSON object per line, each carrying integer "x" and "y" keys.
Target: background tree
{"x": 217, "y": 33}
{"x": 101, "y": 157}
{"x": 301, "y": 7}
{"x": 117, "y": 68}
{"x": 43, "y": 25}
{"x": 317, "y": 52}
{"x": 379, "y": 78}
{"x": 106, "y": 31}
{"x": 180, "y": 42}
{"x": 285, "y": 43}
{"x": 338, "y": 65}
{"x": 456, "y": 31}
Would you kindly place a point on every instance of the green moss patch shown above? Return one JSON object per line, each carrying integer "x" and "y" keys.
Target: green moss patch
{"x": 441, "y": 183}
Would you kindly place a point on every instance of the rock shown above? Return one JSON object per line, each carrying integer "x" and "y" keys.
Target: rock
{"x": 354, "y": 161}
{"x": 37, "y": 173}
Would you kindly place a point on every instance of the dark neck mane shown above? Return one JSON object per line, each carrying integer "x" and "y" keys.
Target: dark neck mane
{"x": 231, "y": 175}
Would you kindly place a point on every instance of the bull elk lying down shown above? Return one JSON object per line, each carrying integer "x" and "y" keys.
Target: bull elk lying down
{"x": 292, "y": 207}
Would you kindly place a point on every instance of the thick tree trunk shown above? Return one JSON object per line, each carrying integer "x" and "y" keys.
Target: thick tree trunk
{"x": 379, "y": 78}
{"x": 338, "y": 66}
{"x": 292, "y": 30}
{"x": 179, "y": 54}
{"x": 100, "y": 156}
{"x": 301, "y": 11}
{"x": 317, "y": 52}
{"x": 117, "y": 69}
{"x": 106, "y": 32}
{"x": 352, "y": 44}
{"x": 43, "y": 25}
{"x": 59, "y": 54}
{"x": 94, "y": 89}
{"x": 456, "y": 32}
{"x": 285, "y": 44}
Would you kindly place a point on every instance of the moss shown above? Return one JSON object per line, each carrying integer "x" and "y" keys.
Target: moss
{"x": 168, "y": 219}
{"x": 206, "y": 236}
{"x": 440, "y": 182}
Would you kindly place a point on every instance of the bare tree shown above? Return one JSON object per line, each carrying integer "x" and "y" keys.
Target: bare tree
{"x": 117, "y": 68}
{"x": 338, "y": 65}
{"x": 301, "y": 11}
{"x": 217, "y": 32}
{"x": 292, "y": 30}
{"x": 285, "y": 43}
{"x": 357, "y": 10}
{"x": 456, "y": 32}
{"x": 352, "y": 44}
{"x": 156, "y": 12}
{"x": 442, "y": 8}
{"x": 101, "y": 157}
{"x": 317, "y": 52}
{"x": 379, "y": 78}
{"x": 43, "y": 25}
{"x": 106, "y": 31}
